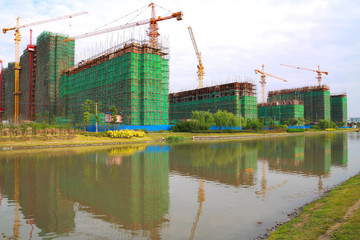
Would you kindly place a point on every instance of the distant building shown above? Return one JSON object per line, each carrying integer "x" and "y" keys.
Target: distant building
{"x": 354, "y": 119}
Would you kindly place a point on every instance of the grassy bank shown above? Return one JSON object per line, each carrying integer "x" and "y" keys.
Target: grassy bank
{"x": 334, "y": 216}
{"x": 23, "y": 142}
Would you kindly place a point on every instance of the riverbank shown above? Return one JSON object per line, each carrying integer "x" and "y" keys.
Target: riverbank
{"x": 50, "y": 141}
{"x": 336, "y": 215}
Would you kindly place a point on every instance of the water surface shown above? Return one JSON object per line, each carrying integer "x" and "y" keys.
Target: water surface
{"x": 213, "y": 190}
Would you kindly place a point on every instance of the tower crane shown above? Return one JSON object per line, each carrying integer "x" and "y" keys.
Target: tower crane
{"x": 318, "y": 71}
{"x": 200, "y": 67}
{"x": 17, "y": 46}
{"x": 201, "y": 199}
{"x": 153, "y": 28}
{"x": 263, "y": 80}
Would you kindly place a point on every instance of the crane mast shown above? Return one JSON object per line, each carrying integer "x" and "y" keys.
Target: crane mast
{"x": 200, "y": 71}
{"x": 17, "y": 56}
{"x": 263, "y": 80}
{"x": 318, "y": 71}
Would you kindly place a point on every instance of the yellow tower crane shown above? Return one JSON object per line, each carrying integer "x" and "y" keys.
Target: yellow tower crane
{"x": 200, "y": 67}
{"x": 263, "y": 80}
{"x": 17, "y": 56}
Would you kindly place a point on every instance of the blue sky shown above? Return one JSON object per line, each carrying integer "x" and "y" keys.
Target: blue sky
{"x": 235, "y": 37}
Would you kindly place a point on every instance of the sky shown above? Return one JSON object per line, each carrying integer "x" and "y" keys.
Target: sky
{"x": 235, "y": 37}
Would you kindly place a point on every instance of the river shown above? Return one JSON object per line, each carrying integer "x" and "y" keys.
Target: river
{"x": 190, "y": 190}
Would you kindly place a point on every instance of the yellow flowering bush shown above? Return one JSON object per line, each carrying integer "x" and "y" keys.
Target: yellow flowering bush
{"x": 330, "y": 129}
{"x": 125, "y": 134}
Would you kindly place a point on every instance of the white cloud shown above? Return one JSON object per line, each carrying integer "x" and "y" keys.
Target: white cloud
{"x": 234, "y": 37}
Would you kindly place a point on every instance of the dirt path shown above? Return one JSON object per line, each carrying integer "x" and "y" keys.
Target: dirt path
{"x": 349, "y": 213}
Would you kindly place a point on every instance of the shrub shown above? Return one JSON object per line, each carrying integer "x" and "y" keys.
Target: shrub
{"x": 315, "y": 127}
{"x": 125, "y": 134}
{"x": 174, "y": 138}
{"x": 254, "y": 124}
{"x": 324, "y": 124}
{"x": 281, "y": 126}
{"x": 189, "y": 126}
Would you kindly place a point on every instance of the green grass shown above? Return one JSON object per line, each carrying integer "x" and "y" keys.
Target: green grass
{"x": 99, "y": 138}
{"x": 350, "y": 230}
{"x": 320, "y": 215}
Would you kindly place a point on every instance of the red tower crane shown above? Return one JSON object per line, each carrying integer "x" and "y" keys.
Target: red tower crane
{"x": 318, "y": 71}
{"x": 31, "y": 50}
{"x": 263, "y": 80}
{"x": 153, "y": 28}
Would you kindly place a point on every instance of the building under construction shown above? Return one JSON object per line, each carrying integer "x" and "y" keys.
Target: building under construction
{"x": 338, "y": 108}
{"x": 238, "y": 98}
{"x": 316, "y": 100}
{"x": 281, "y": 111}
{"x": 39, "y": 78}
{"x": 133, "y": 77}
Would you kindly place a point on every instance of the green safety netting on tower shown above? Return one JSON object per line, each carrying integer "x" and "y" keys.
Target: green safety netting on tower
{"x": 134, "y": 79}
{"x": 283, "y": 111}
{"x": 338, "y": 108}
{"x": 316, "y": 100}
{"x": 228, "y": 97}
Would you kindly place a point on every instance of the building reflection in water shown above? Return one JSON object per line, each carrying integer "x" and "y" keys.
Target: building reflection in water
{"x": 132, "y": 193}
{"x": 231, "y": 163}
{"x": 129, "y": 186}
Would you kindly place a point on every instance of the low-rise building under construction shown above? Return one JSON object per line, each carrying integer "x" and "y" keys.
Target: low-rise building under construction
{"x": 281, "y": 111}
{"x": 238, "y": 98}
{"x": 316, "y": 100}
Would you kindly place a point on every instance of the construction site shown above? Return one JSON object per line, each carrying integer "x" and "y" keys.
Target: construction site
{"x": 45, "y": 84}
{"x": 238, "y": 98}
{"x": 134, "y": 77}
{"x": 281, "y": 111}
{"x": 316, "y": 100}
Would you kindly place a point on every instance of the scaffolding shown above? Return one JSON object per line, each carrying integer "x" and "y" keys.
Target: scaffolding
{"x": 9, "y": 89}
{"x": 133, "y": 77}
{"x": 338, "y": 108}
{"x": 316, "y": 100}
{"x": 54, "y": 56}
{"x": 281, "y": 111}
{"x": 238, "y": 98}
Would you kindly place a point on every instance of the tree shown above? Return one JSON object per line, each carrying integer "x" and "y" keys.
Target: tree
{"x": 113, "y": 112}
{"x": 324, "y": 124}
{"x": 301, "y": 121}
{"x": 271, "y": 122}
{"x": 254, "y": 124}
{"x": 226, "y": 119}
{"x": 87, "y": 109}
{"x": 204, "y": 118}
